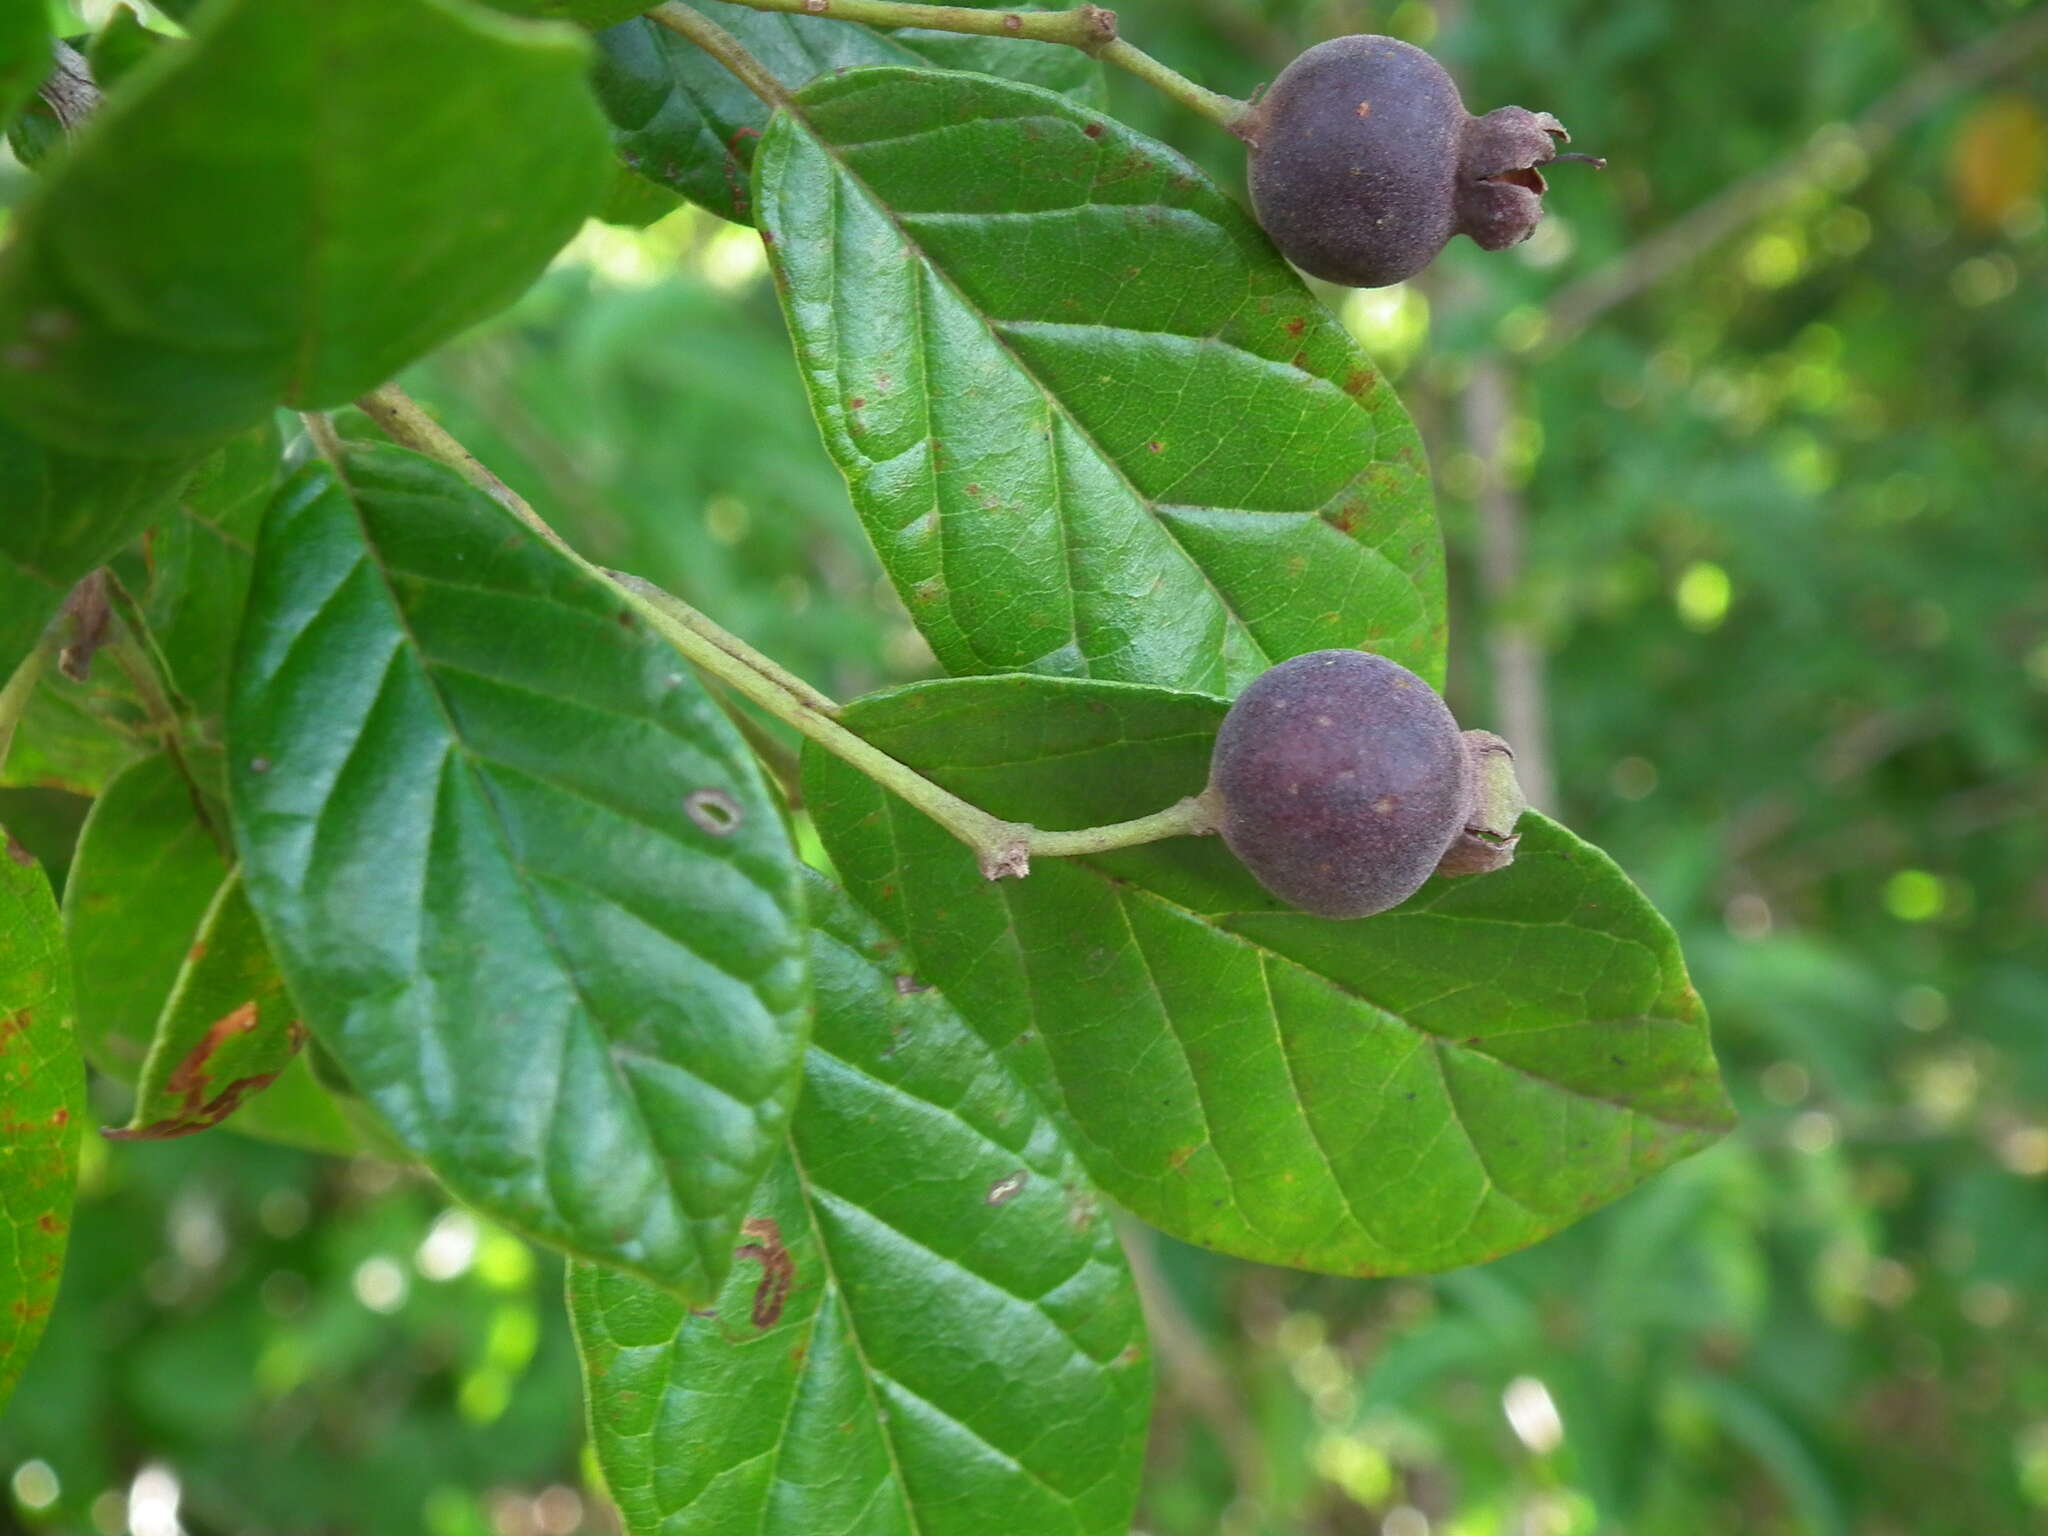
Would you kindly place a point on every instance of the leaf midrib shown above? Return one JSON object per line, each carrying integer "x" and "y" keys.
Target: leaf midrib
{"x": 373, "y": 556}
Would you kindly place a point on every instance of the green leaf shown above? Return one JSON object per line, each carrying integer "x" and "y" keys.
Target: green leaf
{"x": 1093, "y": 423}
{"x": 240, "y": 224}
{"x": 683, "y": 121}
{"x": 593, "y": 14}
{"x": 64, "y": 515}
{"x": 42, "y": 1107}
{"x": 121, "y": 43}
{"x": 228, "y": 1030}
{"x": 932, "y": 1331}
{"x": 144, "y": 908}
{"x": 200, "y": 559}
{"x": 521, "y": 874}
{"x": 25, "y": 41}
{"x": 1423, "y": 1089}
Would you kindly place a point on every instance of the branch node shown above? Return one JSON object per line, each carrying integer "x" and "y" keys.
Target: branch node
{"x": 1009, "y": 859}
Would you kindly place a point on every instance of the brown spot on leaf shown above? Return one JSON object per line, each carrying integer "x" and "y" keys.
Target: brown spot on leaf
{"x": 49, "y": 1223}
{"x": 1294, "y": 326}
{"x": 1359, "y": 382}
{"x": 192, "y": 1076}
{"x": 1007, "y": 1188}
{"x": 17, "y": 853}
{"x": 1093, "y": 130}
{"x": 778, "y": 1269}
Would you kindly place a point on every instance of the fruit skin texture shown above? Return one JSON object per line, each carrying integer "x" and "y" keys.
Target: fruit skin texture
{"x": 1364, "y": 163}
{"x": 1341, "y": 781}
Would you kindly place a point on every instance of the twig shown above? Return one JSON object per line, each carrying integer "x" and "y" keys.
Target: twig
{"x": 1002, "y": 848}
{"x": 69, "y": 91}
{"x": 1693, "y": 234}
{"x": 1090, "y": 28}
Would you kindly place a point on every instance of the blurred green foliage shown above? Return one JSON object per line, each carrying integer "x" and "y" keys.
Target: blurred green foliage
{"x": 1786, "y": 560}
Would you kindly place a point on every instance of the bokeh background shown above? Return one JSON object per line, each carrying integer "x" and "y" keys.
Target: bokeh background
{"x": 1743, "y": 465}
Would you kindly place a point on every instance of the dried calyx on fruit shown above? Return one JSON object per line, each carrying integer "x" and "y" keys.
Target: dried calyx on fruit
{"x": 1364, "y": 162}
{"x": 1343, "y": 783}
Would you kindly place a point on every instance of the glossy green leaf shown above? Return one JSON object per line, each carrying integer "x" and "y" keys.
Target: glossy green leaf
{"x": 1093, "y": 423}
{"x": 42, "y": 1107}
{"x": 25, "y": 40}
{"x": 240, "y": 224}
{"x": 62, "y": 515}
{"x": 682, "y": 120}
{"x": 931, "y": 1329}
{"x": 1419, "y": 1090}
{"x": 521, "y": 874}
{"x": 228, "y": 1030}
{"x": 143, "y": 907}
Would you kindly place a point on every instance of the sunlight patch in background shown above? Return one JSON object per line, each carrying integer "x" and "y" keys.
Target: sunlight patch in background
{"x": 730, "y": 257}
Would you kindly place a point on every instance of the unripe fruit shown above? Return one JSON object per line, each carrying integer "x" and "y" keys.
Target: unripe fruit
{"x": 1364, "y": 162}
{"x": 1341, "y": 780}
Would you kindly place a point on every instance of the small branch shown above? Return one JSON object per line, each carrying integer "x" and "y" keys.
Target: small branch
{"x": 1694, "y": 233}
{"x": 722, "y": 46}
{"x": 406, "y": 424}
{"x": 728, "y": 642}
{"x": 1090, "y": 28}
{"x": 69, "y": 92}
{"x": 1087, "y": 27}
{"x": 1003, "y": 848}
{"x": 326, "y": 441}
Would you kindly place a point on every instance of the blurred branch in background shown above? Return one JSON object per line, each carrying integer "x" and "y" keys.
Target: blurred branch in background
{"x": 1189, "y": 1369}
{"x": 1514, "y": 652}
{"x": 1678, "y": 244}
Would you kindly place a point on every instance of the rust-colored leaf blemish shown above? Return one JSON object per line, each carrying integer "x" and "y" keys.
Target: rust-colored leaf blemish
{"x": 192, "y": 1077}
{"x": 1359, "y": 382}
{"x": 778, "y": 1269}
{"x": 49, "y": 1223}
{"x": 1093, "y": 130}
{"x": 856, "y": 402}
{"x": 1295, "y": 326}
{"x": 1007, "y": 1188}
{"x": 1177, "y": 1159}
{"x": 17, "y": 853}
